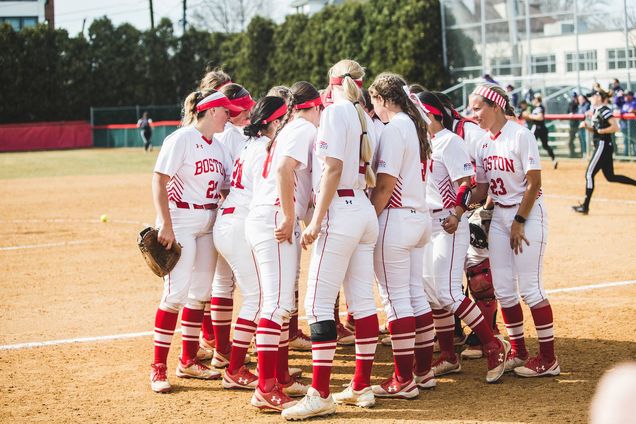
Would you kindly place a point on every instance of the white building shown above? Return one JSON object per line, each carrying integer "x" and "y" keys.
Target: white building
{"x": 309, "y": 7}
{"x": 26, "y": 13}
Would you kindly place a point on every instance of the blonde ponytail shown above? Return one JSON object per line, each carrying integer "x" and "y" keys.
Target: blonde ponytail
{"x": 350, "y": 70}
{"x": 189, "y": 109}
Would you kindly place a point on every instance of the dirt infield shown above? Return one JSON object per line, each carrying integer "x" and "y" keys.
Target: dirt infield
{"x": 68, "y": 275}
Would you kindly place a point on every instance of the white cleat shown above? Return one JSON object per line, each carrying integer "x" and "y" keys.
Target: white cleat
{"x": 301, "y": 342}
{"x": 497, "y": 360}
{"x": 363, "y": 398}
{"x": 195, "y": 369}
{"x": 537, "y": 367}
{"x": 312, "y": 405}
{"x": 426, "y": 381}
{"x": 220, "y": 360}
{"x": 243, "y": 379}
{"x": 472, "y": 352}
{"x": 158, "y": 378}
{"x": 445, "y": 366}
{"x": 392, "y": 388}
{"x": 295, "y": 388}
{"x": 206, "y": 349}
{"x": 275, "y": 400}
{"x": 513, "y": 361}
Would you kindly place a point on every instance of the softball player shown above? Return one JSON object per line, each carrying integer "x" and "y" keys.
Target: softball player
{"x": 272, "y": 231}
{"x": 234, "y": 141}
{"x": 603, "y": 126}
{"x": 448, "y": 197}
{"x": 508, "y": 168}
{"x": 190, "y": 171}
{"x": 399, "y": 198}
{"x": 229, "y": 233}
{"x": 345, "y": 228}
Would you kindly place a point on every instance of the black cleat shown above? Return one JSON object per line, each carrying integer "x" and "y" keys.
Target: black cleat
{"x": 580, "y": 209}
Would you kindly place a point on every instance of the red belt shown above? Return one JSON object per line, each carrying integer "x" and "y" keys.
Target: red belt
{"x": 346, "y": 192}
{"x": 506, "y": 206}
{"x": 186, "y": 205}
{"x": 228, "y": 211}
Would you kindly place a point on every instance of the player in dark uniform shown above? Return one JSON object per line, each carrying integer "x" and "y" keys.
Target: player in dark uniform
{"x": 536, "y": 118}
{"x": 603, "y": 126}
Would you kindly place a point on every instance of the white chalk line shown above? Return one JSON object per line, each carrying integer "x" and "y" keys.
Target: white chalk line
{"x": 63, "y": 221}
{"x": 46, "y": 245}
{"x": 124, "y": 336}
{"x": 599, "y": 199}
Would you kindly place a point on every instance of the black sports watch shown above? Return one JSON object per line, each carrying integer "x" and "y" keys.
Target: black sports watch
{"x": 520, "y": 219}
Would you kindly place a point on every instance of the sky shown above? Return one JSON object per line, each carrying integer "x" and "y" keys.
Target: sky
{"x": 69, "y": 14}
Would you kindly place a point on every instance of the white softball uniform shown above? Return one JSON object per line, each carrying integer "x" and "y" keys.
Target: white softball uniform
{"x": 233, "y": 139}
{"x": 503, "y": 161}
{"x": 197, "y": 168}
{"x": 405, "y": 224}
{"x": 472, "y": 135}
{"x": 444, "y": 256}
{"x": 229, "y": 229}
{"x": 278, "y": 262}
{"x": 343, "y": 252}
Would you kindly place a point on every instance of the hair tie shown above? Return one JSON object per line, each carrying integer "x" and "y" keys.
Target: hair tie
{"x": 347, "y": 75}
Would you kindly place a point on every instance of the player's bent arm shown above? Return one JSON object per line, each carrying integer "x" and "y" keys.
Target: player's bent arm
{"x": 285, "y": 183}
{"x": 464, "y": 184}
{"x": 533, "y": 185}
{"x": 381, "y": 194}
{"x": 160, "y": 200}
{"x": 613, "y": 128}
{"x": 479, "y": 193}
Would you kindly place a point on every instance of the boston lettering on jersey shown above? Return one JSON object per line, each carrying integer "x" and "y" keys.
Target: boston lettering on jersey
{"x": 209, "y": 165}
{"x": 498, "y": 163}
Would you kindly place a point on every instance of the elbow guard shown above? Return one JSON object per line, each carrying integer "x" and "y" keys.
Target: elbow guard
{"x": 463, "y": 197}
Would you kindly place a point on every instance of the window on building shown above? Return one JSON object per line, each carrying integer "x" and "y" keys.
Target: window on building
{"x": 543, "y": 64}
{"x": 616, "y": 58}
{"x": 19, "y": 22}
{"x": 586, "y": 61}
{"x": 501, "y": 66}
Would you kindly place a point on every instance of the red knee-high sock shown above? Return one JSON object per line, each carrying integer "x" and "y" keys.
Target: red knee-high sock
{"x": 165, "y": 324}
{"x": 444, "y": 329}
{"x": 403, "y": 343}
{"x": 488, "y": 309}
{"x": 367, "y": 330}
{"x": 322, "y": 354}
{"x": 267, "y": 339}
{"x": 190, "y": 327}
{"x": 424, "y": 335}
{"x": 221, "y": 311}
{"x": 282, "y": 370}
{"x": 543, "y": 322}
{"x": 243, "y": 332}
{"x": 293, "y": 320}
{"x": 513, "y": 319}
{"x": 206, "y": 325}
{"x": 471, "y": 315}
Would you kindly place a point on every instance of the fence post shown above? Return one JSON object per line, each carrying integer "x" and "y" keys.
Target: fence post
{"x": 137, "y": 112}
{"x": 92, "y": 116}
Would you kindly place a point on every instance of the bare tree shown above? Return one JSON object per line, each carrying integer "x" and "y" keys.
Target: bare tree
{"x": 229, "y": 15}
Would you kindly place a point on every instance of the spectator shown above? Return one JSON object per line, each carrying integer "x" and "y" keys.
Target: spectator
{"x": 145, "y": 125}
{"x": 529, "y": 96}
{"x": 522, "y": 111}
{"x": 616, "y": 91}
{"x": 628, "y": 126}
{"x": 537, "y": 119}
{"x": 573, "y": 106}
{"x": 512, "y": 95}
{"x": 583, "y": 108}
{"x": 489, "y": 79}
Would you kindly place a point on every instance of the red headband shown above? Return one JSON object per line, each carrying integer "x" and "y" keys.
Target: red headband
{"x": 216, "y": 99}
{"x": 433, "y": 109}
{"x": 338, "y": 81}
{"x": 244, "y": 102}
{"x": 311, "y": 103}
{"x": 277, "y": 114}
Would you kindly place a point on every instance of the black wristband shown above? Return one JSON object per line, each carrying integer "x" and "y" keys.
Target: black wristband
{"x": 520, "y": 219}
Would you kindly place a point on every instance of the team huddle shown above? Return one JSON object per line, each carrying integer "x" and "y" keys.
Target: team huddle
{"x": 389, "y": 186}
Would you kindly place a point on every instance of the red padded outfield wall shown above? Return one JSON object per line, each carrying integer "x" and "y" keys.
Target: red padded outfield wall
{"x": 45, "y": 136}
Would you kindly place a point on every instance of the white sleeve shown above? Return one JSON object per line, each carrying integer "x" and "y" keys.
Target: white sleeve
{"x": 331, "y": 138}
{"x": 171, "y": 156}
{"x": 480, "y": 173}
{"x": 528, "y": 151}
{"x": 298, "y": 144}
{"x": 228, "y": 164}
{"x": 457, "y": 160}
{"x": 391, "y": 150}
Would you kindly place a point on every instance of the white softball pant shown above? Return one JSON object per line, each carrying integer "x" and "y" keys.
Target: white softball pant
{"x": 229, "y": 233}
{"x": 515, "y": 275}
{"x": 223, "y": 284}
{"x": 277, "y": 262}
{"x": 398, "y": 261}
{"x": 444, "y": 260}
{"x": 190, "y": 282}
{"x": 343, "y": 254}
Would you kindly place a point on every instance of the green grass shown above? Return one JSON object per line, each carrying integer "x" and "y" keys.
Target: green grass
{"x": 76, "y": 162}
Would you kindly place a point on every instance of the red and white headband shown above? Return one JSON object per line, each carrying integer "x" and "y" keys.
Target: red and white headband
{"x": 217, "y": 99}
{"x": 421, "y": 108}
{"x": 491, "y": 95}
{"x": 311, "y": 103}
{"x": 338, "y": 80}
